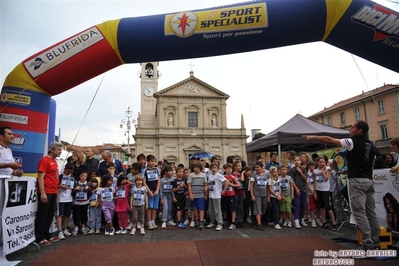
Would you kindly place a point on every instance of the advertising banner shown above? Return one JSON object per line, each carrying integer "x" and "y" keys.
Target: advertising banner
{"x": 19, "y": 212}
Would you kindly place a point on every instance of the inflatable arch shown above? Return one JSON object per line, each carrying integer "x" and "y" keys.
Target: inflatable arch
{"x": 361, "y": 27}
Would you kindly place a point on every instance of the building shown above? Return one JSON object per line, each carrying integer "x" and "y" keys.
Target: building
{"x": 378, "y": 107}
{"x": 184, "y": 118}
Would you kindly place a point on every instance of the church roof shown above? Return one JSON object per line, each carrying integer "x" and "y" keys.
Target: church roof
{"x": 191, "y": 87}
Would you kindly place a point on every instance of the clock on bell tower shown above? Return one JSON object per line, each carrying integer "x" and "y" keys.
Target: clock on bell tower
{"x": 149, "y": 76}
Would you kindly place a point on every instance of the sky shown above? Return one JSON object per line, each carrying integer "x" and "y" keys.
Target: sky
{"x": 294, "y": 79}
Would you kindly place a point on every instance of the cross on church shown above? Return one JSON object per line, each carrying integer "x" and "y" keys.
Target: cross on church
{"x": 191, "y": 65}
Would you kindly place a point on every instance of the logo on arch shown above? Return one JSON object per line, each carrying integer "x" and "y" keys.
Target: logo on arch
{"x": 184, "y": 24}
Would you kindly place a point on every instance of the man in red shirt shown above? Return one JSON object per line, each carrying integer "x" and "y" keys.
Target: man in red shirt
{"x": 47, "y": 180}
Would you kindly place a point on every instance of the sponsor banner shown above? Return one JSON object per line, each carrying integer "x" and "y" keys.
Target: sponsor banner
{"x": 19, "y": 212}
{"x": 244, "y": 17}
{"x": 14, "y": 118}
{"x": 386, "y": 198}
{"x": 62, "y": 51}
{"x": 24, "y": 120}
{"x": 12, "y": 97}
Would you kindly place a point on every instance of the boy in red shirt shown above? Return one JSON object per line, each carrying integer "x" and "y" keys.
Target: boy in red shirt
{"x": 229, "y": 203}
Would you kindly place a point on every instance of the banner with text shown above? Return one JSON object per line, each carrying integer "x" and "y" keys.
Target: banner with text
{"x": 19, "y": 213}
{"x": 386, "y": 198}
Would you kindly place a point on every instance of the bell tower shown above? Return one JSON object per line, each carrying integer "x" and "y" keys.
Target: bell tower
{"x": 149, "y": 76}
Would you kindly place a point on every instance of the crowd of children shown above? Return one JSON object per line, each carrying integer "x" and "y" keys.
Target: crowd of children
{"x": 201, "y": 197}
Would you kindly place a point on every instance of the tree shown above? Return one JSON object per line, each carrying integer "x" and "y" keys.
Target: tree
{"x": 257, "y": 136}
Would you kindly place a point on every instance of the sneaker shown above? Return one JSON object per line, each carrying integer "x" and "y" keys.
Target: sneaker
{"x": 66, "y": 232}
{"x": 138, "y": 226}
{"x": 111, "y": 231}
{"x": 192, "y": 224}
{"x": 196, "y": 223}
{"x": 296, "y": 223}
{"x": 118, "y": 232}
{"x": 124, "y": 231}
{"x": 142, "y": 231}
{"x": 61, "y": 235}
{"x": 277, "y": 226}
{"x": 129, "y": 226}
{"x": 225, "y": 223}
{"x": 289, "y": 224}
{"x": 232, "y": 227}
{"x": 45, "y": 242}
{"x": 201, "y": 225}
{"x": 260, "y": 227}
{"x": 98, "y": 231}
{"x": 149, "y": 226}
{"x": 285, "y": 223}
{"x": 210, "y": 225}
{"x": 325, "y": 225}
{"x": 54, "y": 239}
{"x": 163, "y": 225}
{"x": 319, "y": 223}
{"x": 154, "y": 226}
{"x": 281, "y": 221}
{"x": 171, "y": 223}
{"x": 303, "y": 223}
{"x": 219, "y": 228}
{"x": 106, "y": 231}
{"x": 133, "y": 231}
{"x": 75, "y": 233}
{"x": 270, "y": 223}
{"x": 334, "y": 227}
{"x": 314, "y": 224}
{"x": 84, "y": 231}
{"x": 181, "y": 225}
{"x": 91, "y": 232}
{"x": 186, "y": 222}
{"x": 249, "y": 221}
{"x": 361, "y": 253}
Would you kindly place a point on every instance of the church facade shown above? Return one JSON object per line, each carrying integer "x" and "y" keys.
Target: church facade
{"x": 184, "y": 118}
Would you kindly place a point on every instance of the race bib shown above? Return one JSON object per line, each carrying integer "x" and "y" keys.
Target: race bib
{"x": 107, "y": 195}
{"x": 81, "y": 195}
{"x": 152, "y": 175}
{"x": 120, "y": 193}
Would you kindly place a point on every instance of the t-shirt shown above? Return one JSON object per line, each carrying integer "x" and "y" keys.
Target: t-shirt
{"x": 107, "y": 194}
{"x": 179, "y": 194}
{"x": 215, "y": 185}
{"x": 260, "y": 184}
{"x": 285, "y": 183}
{"x": 229, "y": 190}
{"x": 321, "y": 184}
{"x": 197, "y": 182}
{"x": 6, "y": 157}
{"x": 82, "y": 196}
{"x": 65, "y": 195}
{"x": 311, "y": 180}
{"x": 275, "y": 183}
{"x": 139, "y": 195}
{"x": 166, "y": 185}
{"x": 151, "y": 178}
{"x": 239, "y": 191}
{"x": 49, "y": 167}
{"x": 297, "y": 178}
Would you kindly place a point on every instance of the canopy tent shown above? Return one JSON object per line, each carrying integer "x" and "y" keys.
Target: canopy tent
{"x": 289, "y": 136}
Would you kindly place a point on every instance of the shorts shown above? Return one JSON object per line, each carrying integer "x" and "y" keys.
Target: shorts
{"x": 64, "y": 208}
{"x": 312, "y": 203}
{"x": 153, "y": 203}
{"x": 180, "y": 204}
{"x": 198, "y": 204}
{"x": 229, "y": 203}
{"x": 285, "y": 205}
{"x": 260, "y": 205}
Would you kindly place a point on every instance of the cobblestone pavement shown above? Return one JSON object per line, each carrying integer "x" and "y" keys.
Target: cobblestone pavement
{"x": 173, "y": 233}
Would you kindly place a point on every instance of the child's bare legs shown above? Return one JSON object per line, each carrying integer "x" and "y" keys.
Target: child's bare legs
{"x": 332, "y": 217}
{"x": 59, "y": 222}
{"x": 258, "y": 219}
{"x": 201, "y": 215}
{"x": 233, "y": 216}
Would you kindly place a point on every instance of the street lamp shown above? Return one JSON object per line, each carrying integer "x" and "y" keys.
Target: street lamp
{"x": 128, "y": 122}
